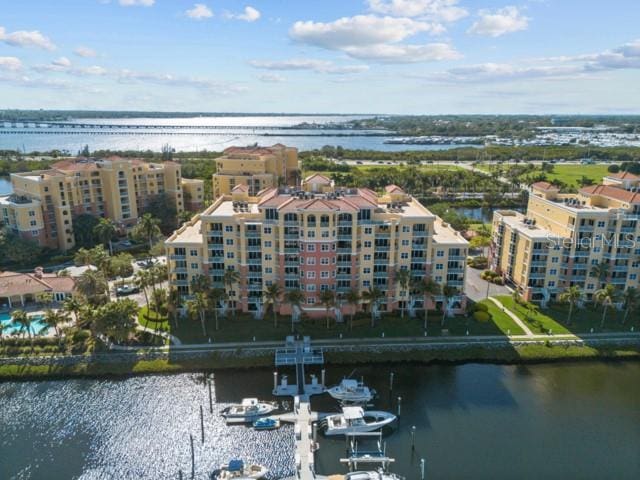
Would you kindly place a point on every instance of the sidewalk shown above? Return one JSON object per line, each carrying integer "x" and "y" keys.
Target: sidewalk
{"x": 513, "y": 316}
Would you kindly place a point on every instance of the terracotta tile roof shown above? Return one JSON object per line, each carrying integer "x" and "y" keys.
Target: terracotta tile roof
{"x": 610, "y": 191}
{"x": 318, "y": 178}
{"x": 240, "y": 188}
{"x": 13, "y": 284}
{"x": 544, "y": 186}
{"x": 624, "y": 176}
{"x": 393, "y": 189}
{"x": 74, "y": 165}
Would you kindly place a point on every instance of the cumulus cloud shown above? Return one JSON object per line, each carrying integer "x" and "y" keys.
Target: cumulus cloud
{"x": 136, "y": 3}
{"x": 319, "y": 66}
{"x": 499, "y": 22}
{"x": 249, "y": 14}
{"x": 271, "y": 78}
{"x": 374, "y": 38}
{"x": 12, "y": 64}
{"x": 24, "y": 38}
{"x": 85, "y": 52}
{"x": 437, "y": 10}
{"x": 62, "y": 62}
{"x": 199, "y": 12}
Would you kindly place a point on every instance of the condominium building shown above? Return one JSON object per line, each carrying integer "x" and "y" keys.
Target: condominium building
{"x": 44, "y": 203}
{"x": 561, "y": 237}
{"x": 256, "y": 167}
{"x": 335, "y": 239}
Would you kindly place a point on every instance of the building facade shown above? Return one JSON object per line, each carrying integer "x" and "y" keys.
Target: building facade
{"x": 338, "y": 239}
{"x": 562, "y": 237}
{"x": 256, "y": 167}
{"x": 44, "y": 203}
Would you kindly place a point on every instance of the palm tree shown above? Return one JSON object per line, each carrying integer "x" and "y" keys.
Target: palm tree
{"x": 173, "y": 304}
{"x": 93, "y": 286}
{"x": 403, "y": 278}
{"x": 231, "y": 278}
{"x": 21, "y": 320}
{"x": 199, "y": 306}
{"x": 73, "y": 305}
{"x": 216, "y": 296}
{"x": 272, "y": 296}
{"x": 295, "y": 298}
{"x": 631, "y": 298}
{"x": 571, "y": 295}
{"x": 159, "y": 300}
{"x": 606, "y": 297}
{"x": 373, "y": 296}
{"x": 447, "y": 292}
{"x": 149, "y": 228}
{"x": 428, "y": 288}
{"x": 353, "y": 298}
{"x": 328, "y": 300}
{"x": 105, "y": 230}
{"x": 600, "y": 271}
{"x": 54, "y": 318}
{"x": 142, "y": 280}
{"x": 1, "y": 332}
{"x": 200, "y": 283}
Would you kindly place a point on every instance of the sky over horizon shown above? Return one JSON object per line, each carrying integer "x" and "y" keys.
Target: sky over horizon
{"x": 330, "y": 56}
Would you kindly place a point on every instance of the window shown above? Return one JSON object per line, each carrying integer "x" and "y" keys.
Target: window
{"x": 311, "y": 261}
{"x": 440, "y": 253}
{"x": 405, "y": 229}
{"x": 324, "y": 274}
{"x": 311, "y": 300}
{"x": 193, "y": 253}
{"x": 404, "y": 255}
{"x": 194, "y": 266}
{"x": 311, "y": 234}
{"x": 367, "y": 257}
{"x": 594, "y": 262}
{"x": 601, "y": 224}
{"x": 267, "y": 243}
{"x": 325, "y": 234}
{"x": 366, "y": 283}
{"x": 268, "y": 257}
{"x": 324, "y": 247}
{"x": 34, "y": 233}
{"x": 33, "y": 223}
{"x": 551, "y": 284}
{"x": 229, "y": 241}
{"x": 228, "y": 228}
{"x": 368, "y": 230}
{"x": 590, "y": 286}
{"x": 32, "y": 213}
{"x": 230, "y": 255}
{"x": 324, "y": 261}
{"x": 268, "y": 270}
{"x": 311, "y": 248}
{"x": 405, "y": 243}
{"x": 311, "y": 287}
{"x": 367, "y": 244}
{"x": 439, "y": 266}
{"x": 553, "y": 271}
{"x": 366, "y": 270}
{"x": 267, "y": 230}
{"x": 555, "y": 259}
{"x": 633, "y": 276}
{"x": 439, "y": 279}
{"x": 311, "y": 274}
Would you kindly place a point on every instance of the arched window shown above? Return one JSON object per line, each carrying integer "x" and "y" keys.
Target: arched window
{"x": 324, "y": 221}
{"x": 311, "y": 220}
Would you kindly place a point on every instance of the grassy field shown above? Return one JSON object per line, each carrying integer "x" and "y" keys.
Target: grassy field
{"x": 583, "y": 321}
{"x": 569, "y": 174}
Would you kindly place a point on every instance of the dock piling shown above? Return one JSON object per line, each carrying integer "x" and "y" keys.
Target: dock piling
{"x": 413, "y": 437}
{"x": 422, "y": 469}
{"x": 201, "y": 424}
{"x": 210, "y": 397}
{"x": 193, "y": 458}
{"x": 399, "y": 405}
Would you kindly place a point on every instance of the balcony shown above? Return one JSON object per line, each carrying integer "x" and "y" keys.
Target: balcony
{"x": 538, "y": 263}
{"x": 420, "y": 233}
{"x": 346, "y": 238}
{"x": 254, "y": 248}
{"x": 291, "y": 223}
{"x": 254, "y": 287}
{"x": 380, "y": 261}
{"x": 382, "y": 248}
{"x": 457, "y": 257}
{"x": 291, "y": 250}
{"x": 380, "y": 274}
{"x": 344, "y": 250}
{"x": 344, "y": 276}
{"x": 254, "y": 261}
{"x": 291, "y": 236}
{"x": 178, "y": 257}
{"x": 215, "y": 233}
{"x": 345, "y": 223}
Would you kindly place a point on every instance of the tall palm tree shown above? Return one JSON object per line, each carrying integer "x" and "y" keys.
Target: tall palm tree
{"x": 403, "y": 278}
{"x": 606, "y": 297}
{"x": 23, "y": 322}
{"x": 372, "y": 297}
{"x": 93, "y": 286}
{"x": 428, "y": 288}
{"x": 105, "y": 230}
{"x": 295, "y": 298}
{"x": 231, "y": 278}
{"x": 631, "y": 299}
{"x": 272, "y": 296}
{"x": 149, "y": 228}
{"x": 173, "y": 304}
{"x": 73, "y": 305}
{"x": 142, "y": 280}
{"x": 572, "y": 296}
{"x": 216, "y": 296}
{"x": 200, "y": 283}
{"x": 199, "y": 306}
{"x": 447, "y": 292}
{"x": 328, "y": 300}
{"x": 600, "y": 271}
{"x": 1, "y": 332}
{"x": 54, "y": 318}
{"x": 353, "y": 298}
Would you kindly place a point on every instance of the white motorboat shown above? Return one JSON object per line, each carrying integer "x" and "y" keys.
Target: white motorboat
{"x": 249, "y": 410}
{"x": 352, "y": 391}
{"x": 237, "y": 470}
{"x": 355, "y": 419}
{"x": 372, "y": 475}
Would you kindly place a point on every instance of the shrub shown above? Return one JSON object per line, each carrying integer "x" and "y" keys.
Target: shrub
{"x": 482, "y": 316}
{"x": 498, "y": 280}
{"x": 481, "y": 307}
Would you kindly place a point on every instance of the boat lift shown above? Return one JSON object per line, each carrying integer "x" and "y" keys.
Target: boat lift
{"x": 375, "y": 454}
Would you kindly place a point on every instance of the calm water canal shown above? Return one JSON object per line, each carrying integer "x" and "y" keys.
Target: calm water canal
{"x": 579, "y": 421}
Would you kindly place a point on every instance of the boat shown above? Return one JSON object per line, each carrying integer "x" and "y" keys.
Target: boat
{"x": 355, "y": 419}
{"x": 352, "y": 391}
{"x": 249, "y": 409}
{"x": 268, "y": 423}
{"x": 237, "y": 470}
{"x": 372, "y": 475}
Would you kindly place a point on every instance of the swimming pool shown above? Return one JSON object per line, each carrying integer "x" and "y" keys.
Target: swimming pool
{"x": 37, "y": 324}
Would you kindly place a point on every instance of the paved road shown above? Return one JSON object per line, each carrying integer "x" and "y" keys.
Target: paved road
{"x": 476, "y": 288}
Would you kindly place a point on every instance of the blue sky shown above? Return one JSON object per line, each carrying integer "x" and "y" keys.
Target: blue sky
{"x": 349, "y": 56}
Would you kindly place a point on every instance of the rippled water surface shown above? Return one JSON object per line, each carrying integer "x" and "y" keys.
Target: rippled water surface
{"x": 472, "y": 421}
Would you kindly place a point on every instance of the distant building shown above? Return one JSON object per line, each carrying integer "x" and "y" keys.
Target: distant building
{"x": 316, "y": 238}
{"x": 20, "y": 289}
{"x": 256, "y": 167}
{"x": 44, "y": 203}
{"x": 562, "y": 237}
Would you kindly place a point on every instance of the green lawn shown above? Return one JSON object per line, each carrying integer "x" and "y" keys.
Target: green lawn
{"x": 501, "y": 320}
{"x": 570, "y": 174}
{"x": 555, "y": 318}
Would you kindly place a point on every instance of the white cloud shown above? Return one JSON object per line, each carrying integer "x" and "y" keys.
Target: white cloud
{"x": 385, "y": 53}
{"x": 199, "y": 11}
{"x": 136, "y": 3}
{"x": 10, "y": 63}
{"x": 23, "y": 38}
{"x": 319, "y": 66}
{"x": 271, "y": 78}
{"x": 62, "y": 62}
{"x": 500, "y": 22}
{"x": 249, "y": 14}
{"x": 85, "y": 52}
{"x": 438, "y": 10}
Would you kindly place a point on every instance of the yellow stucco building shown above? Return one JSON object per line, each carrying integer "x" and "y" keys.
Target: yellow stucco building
{"x": 335, "y": 239}
{"x": 561, "y": 238}
{"x": 256, "y": 167}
